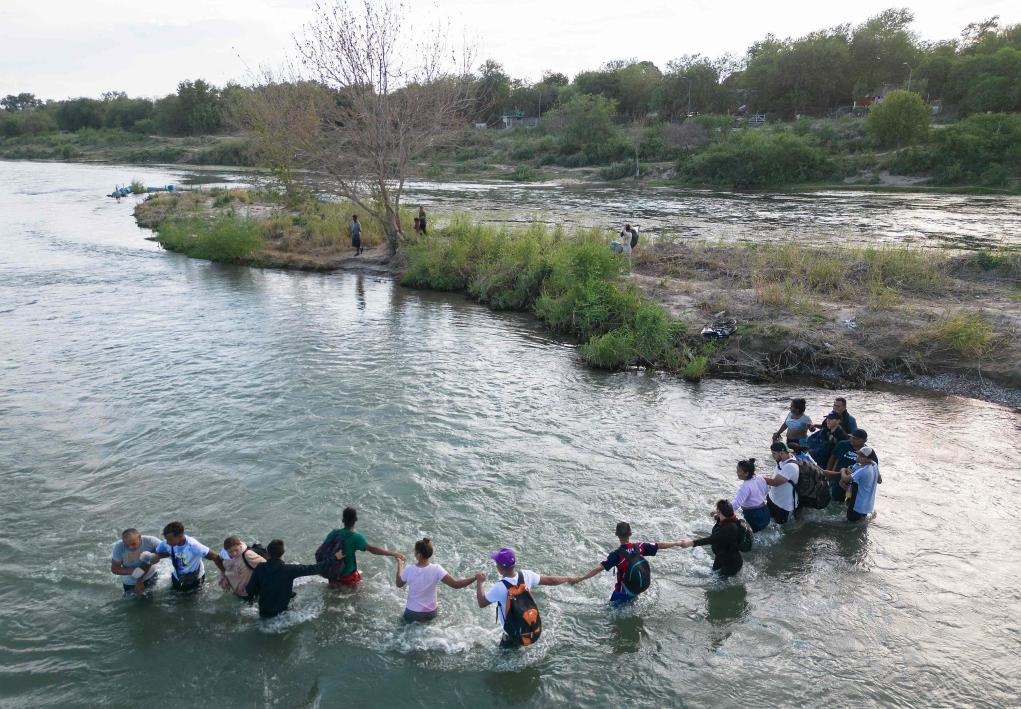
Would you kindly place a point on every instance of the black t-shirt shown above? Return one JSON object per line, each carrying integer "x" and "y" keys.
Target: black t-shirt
{"x": 846, "y": 456}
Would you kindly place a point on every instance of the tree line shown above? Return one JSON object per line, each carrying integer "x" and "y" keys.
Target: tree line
{"x": 819, "y": 74}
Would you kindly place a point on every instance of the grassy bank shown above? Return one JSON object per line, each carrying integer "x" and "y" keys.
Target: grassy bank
{"x": 571, "y": 282}
{"x": 254, "y": 227}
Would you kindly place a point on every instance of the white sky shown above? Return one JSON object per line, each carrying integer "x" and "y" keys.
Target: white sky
{"x": 62, "y": 48}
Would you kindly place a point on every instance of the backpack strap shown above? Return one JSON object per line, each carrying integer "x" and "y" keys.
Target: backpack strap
{"x": 245, "y": 559}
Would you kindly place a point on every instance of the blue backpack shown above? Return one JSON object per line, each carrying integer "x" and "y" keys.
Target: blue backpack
{"x": 637, "y": 572}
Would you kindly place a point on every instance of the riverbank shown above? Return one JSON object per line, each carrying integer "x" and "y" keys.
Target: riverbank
{"x": 843, "y": 316}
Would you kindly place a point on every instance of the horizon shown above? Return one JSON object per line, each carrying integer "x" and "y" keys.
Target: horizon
{"x": 148, "y": 56}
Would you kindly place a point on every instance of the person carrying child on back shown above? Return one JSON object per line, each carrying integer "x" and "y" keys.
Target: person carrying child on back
{"x": 633, "y": 571}
{"x": 516, "y": 611}
{"x": 338, "y": 552}
{"x": 238, "y": 563}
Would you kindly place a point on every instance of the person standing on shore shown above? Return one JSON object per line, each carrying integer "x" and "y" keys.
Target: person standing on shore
{"x": 421, "y": 579}
{"x": 626, "y": 238}
{"x": 421, "y": 220}
{"x": 355, "y": 228}
{"x": 134, "y": 559}
{"x": 343, "y": 544}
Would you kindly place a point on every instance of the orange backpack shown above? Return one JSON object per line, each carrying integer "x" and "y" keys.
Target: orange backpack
{"x": 521, "y": 621}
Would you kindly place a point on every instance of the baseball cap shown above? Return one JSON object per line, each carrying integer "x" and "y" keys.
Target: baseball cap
{"x": 504, "y": 557}
{"x": 779, "y": 447}
{"x": 865, "y": 451}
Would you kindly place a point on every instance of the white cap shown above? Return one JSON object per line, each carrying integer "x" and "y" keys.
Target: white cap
{"x": 865, "y": 451}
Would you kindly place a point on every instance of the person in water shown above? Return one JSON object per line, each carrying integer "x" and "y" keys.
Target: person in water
{"x": 822, "y": 442}
{"x": 421, "y": 579}
{"x": 134, "y": 559}
{"x": 506, "y": 560}
{"x": 861, "y": 482}
{"x": 618, "y": 559}
{"x": 272, "y": 583}
{"x": 844, "y": 456}
{"x": 796, "y": 424}
{"x": 782, "y": 498}
{"x": 847, "y": 421}
{"x": 725, "y": 540}
{"x": 238, "y": 564}
{"x": 355, "y": 228}
{"x": 186, "y": 554}
{"x": 353, "y": 542}
{"x": 751, "y": 496}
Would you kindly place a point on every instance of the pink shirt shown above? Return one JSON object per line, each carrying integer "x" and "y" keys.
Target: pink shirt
{"x": 422, "y": 586}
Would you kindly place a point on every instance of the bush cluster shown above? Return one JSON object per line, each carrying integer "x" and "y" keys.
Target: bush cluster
{"x": 751, "y": 159}
{"x": 570, "y": 281}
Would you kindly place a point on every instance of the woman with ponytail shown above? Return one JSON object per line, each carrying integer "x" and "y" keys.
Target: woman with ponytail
{"x": 725, "y": 540}
{"x": 421, "y": 580}
{"x": 751, "y": 496}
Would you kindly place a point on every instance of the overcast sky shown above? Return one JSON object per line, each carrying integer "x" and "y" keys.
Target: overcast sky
{"x": 63, "y": 48}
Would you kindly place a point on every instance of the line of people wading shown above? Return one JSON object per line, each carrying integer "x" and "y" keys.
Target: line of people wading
{"x": 849, "y": 475}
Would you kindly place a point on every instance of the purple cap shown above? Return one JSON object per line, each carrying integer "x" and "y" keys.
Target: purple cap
{"x": 504, "y": 557}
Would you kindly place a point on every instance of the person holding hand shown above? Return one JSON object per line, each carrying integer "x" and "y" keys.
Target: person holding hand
{"x": 422, "y": 579}
{"x": 725, "y": 540}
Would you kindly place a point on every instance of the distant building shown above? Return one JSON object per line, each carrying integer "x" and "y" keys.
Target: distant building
{"x": 518, "y": 119}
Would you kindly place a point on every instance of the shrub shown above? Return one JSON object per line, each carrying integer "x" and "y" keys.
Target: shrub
{"x": 228, "y": 238}
{"x": 900, "y": 119}
{"x": 618, "y": 170}
{"x": 756, "y": 159}
{"x": 695, "y": 369}
{"x": 965, "y": 333}
{"x": 137, "y": 186}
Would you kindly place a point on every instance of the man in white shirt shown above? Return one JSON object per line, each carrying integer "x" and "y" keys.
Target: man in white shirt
{"x": 506, "y": 560}
{"x": 782, "y": 497}
{"x": 134, "y": 559}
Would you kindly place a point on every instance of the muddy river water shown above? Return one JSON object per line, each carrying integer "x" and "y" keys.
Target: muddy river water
{"x": 139, "y": 386}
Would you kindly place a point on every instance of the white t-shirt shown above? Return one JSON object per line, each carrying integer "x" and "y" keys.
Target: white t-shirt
{"x": 783, "y": 495}
{"x": 186, "y": 558}
{"x": 497, "y": 593}
{"x": 422, "y": 586}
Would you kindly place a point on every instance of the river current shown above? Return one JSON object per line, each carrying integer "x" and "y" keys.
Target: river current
{"x": 139, "y": 386}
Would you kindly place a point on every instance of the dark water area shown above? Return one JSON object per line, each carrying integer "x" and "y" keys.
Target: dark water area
{"x": 139, "y": 386}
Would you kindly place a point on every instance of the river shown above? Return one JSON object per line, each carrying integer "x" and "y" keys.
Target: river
{"x": 139, "y": 386}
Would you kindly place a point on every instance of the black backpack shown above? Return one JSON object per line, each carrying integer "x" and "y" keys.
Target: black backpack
{"x": 813, "y": 488}
{"x": 634, "y": 237}
{"x": 257, "y": 549}
{"x": 747, "y": 537}
{"x": 521, "y": 621}
{"x": 637, "y": 572}
{"x": 327, "y": 552}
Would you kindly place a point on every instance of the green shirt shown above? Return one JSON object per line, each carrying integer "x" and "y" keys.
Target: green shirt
{"x": 353, "y": 541}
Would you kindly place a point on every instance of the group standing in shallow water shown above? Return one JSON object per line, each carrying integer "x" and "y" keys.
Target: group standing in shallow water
{"x": 849, "y": 474}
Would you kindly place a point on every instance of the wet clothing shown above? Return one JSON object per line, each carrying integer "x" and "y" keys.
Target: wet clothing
{"x": 822, "y": 442}
{"x": 132, "y": 559}
{"x": 783, "y": 496}
{"x": 617, "y": 559}
{"x": 238, "y": 571}
{"x": 751, "y": 494}
{"x": 844, "y": 456}
{"x": 779, "y": 514}
{"x": 757, "y": 518}
{"x": 187, "y": 561}
{"x": 725, "y": 541}
{"x": 797, "y": 427}
{"x": 349, "y": 581}
{"x": 352, "y": 542}
{"x": 864, "y": 480}
{"x": 411, "y": 616}
{"x": 273, "y": 584}
{"x": 422, "y": 582}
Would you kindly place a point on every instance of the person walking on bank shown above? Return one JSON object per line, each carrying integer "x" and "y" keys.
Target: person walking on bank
{"x": 421, "y": 579}
{"x": 355, "y": 228}
{"x": 725, "y": 540}
{"x": 134, "y": 559}
{"x": 624, "y": 559}
{"x": 342, "y": 544}
{"x": 421, "y": 220}
{"x": 782, "y": 498}
{"x": 751, "y": 496}
{"x": 272, "y": 583}
{"x": 626, "y": 237}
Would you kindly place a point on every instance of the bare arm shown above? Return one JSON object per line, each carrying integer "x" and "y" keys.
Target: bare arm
{"x": 782, "y": 429}
{"x": 401, "y": 583}
{"x": 118, "y": 568}
{"x": 457, "y": 583}
{"x": 594, "y": 571}
{"x": 480, "y": 595}
{"x": 215, "y": 558}
{"x": 671, "y": 545}
{"x": 380, "y": 551}
{"x": 555, "y": 580}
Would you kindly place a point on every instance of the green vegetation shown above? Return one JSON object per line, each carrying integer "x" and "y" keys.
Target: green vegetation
{"x": 983, "y": 150}
{"x": 137, "y": 186}
{"x": 756, "y": 160}
{"x": 226, "y": 238}
{"x": 570, "y": 281}
{"x": 965, "y": 333}
{"x": 901, "y": 119}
